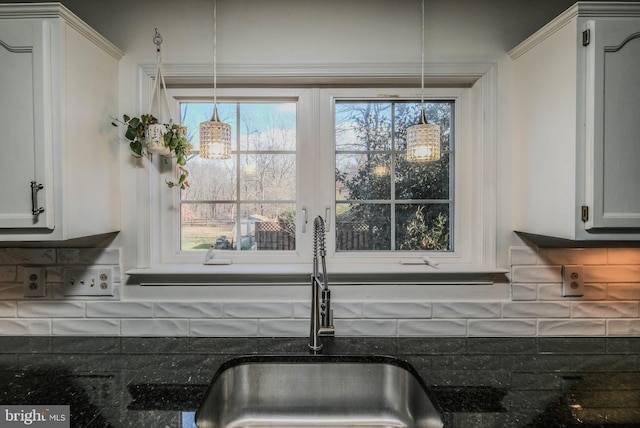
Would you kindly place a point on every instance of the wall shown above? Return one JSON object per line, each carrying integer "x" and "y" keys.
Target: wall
{"x": 308, "y": 33}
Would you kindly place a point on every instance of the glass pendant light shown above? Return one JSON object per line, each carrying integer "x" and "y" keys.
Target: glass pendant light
{"x": 215, "y": 136}
{"x": 423, "y": 139}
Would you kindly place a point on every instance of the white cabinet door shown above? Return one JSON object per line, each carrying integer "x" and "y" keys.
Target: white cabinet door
{"x": 24, "y": 119}
{"x": 613, "y": 123}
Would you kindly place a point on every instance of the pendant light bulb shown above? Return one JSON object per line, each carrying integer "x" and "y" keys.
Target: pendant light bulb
{"x": 215, "y": 136}
{"x": 423, "y": 139}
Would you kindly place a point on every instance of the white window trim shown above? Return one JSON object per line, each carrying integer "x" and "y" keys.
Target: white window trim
{"x": 479, "y": 157}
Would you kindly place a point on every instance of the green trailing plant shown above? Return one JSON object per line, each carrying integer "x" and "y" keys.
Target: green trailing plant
{"x": 174, "y": 138}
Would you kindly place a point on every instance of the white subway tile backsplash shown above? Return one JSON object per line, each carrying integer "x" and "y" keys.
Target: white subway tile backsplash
{"x": 11, "y": 291}
{"x": 592, "y": 291}
{"x": 523, "y": 256}
{"x": 605, "y": 310}
{"x": 610, "y": 305}
{"x": 8, "y": 274}
{"x": 550, "y": 291}
{"x": 397, "y": 310}
{"x": 25, "y": 327}
{"x": 223, "y": 327}
{"x": 614, "y": 273}
{"x": 466, "y": 310}
{"x": 623, "y": 256}
{"x": 51, "y": 309}
{"x": 367, "y": 327}
{"x": 595, "y": 291}
{"x": 536, "y": 310}
{"x": 501, "y": 327}
{"x": 536, "y": 274}
{"x": 102, "y": 309}
{"x": 432, "y": 327}
{"x": 86, "y": 327}
{"x": 623, "y": 291}
{"x": 8, "y": 309}
{"x": 284, "y": 328}
{"x": 521, "y": 291}
{"x": 623, "y": 327}
{"x": 571, "y": 327}
{"x": 89, "y": 256}
{"x": 572, "y": 256}
{"x": 341, "y": 309}
{"x": 188, "y": 310}
{"x": 154, "y": 327}
{"x": 346, "y": 309}
{"x": 258, "y": 310}
{"x": 28, "y": 256}
{"x": 301, "y": 309}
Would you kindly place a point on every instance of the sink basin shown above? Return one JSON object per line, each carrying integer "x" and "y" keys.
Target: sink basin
{"x": 317, "y": 391}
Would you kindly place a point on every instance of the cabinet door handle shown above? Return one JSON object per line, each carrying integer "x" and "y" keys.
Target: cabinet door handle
{"x": 34, "y": 198}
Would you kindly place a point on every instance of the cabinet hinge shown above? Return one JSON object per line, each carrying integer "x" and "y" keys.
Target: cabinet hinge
{"x": 586, "y": 37}
{"x": 585, "y": 213}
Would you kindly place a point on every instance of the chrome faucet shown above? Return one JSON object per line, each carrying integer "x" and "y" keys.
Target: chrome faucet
{"x": 321, "y": 312}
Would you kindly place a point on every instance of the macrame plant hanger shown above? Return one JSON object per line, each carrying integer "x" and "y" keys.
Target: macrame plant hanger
{"x": 155, "y": 132}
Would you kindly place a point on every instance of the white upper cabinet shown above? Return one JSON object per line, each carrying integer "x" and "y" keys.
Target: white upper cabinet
{"x": 577, "y": 125}
{"x": 58, "y": 86}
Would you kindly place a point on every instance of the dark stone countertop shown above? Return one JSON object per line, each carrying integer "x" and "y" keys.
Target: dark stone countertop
{"x": 477, "y": 382}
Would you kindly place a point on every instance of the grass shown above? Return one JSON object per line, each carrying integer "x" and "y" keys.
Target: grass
{"x": 200, "y": 237}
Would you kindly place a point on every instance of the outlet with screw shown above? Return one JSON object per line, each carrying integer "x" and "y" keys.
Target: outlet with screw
{"x": 572, "y": 281}
{"x": 33, "y": 282}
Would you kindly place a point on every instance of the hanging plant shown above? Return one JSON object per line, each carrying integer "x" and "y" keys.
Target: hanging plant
{"x": 175, "y": 138}
{"x": 147, "y": 135}
{"x": 172, "y": 142}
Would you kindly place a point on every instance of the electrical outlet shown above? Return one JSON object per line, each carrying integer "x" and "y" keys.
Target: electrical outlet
{"x": 88, "y": 282}
{"x": 33, "y": 282}
{"x": 572, "y": 281}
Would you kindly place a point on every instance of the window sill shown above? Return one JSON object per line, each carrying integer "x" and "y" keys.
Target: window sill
{"x": 353, "y": 274}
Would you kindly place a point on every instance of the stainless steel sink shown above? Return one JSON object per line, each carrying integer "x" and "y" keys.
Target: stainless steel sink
{"x": 317, "y": 391}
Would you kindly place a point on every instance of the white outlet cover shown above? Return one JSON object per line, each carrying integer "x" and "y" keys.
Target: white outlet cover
{"x": 88, "y": 282}
{"x": 33, "y": 282}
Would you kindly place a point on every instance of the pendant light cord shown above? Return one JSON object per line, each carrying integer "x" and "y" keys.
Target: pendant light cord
{"x": 214, "y": 115}
{"x": 215, "y": 43}
{"x": 422, "y": 114}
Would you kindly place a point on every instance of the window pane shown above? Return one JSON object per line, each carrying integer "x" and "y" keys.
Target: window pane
{"x": 363, "y": 126}
{"x": 268, "y": 177}
{"x": 210, "y": 180}
{"x": 408, "y": 113}
{"x": 267, "y": 126}
{"x": 363, "y": 227}
{"x": 364, "y": 176}
{"x": 206, "y": 224}
{"x": 253, "y": 207}
{"x": 267, "y": 227}
{"x": 423, "y": 227}
{"x": 422, "y": 180}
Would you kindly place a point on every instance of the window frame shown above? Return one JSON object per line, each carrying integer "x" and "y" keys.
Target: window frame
{"x": 463, "y": 170}
{"x": 156, "y": 234}
{"x": 170, "y": 216}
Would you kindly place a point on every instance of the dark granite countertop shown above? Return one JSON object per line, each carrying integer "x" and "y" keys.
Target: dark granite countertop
{"x": 477, "y": 382}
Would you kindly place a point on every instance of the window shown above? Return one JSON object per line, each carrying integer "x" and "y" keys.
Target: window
{"x": 246, "y": 203}
{"x": 383, "y": 202}
{"x": 338, "y": 153}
